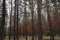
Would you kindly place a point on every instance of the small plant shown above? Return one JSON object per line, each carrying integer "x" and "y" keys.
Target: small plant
{"x": 47, "y": 33}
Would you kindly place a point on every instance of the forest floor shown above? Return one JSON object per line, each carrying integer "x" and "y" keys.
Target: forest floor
{"x": 30, "y": 38}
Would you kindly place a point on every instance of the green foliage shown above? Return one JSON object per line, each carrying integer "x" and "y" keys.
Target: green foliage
{"x": 47, "y": 33}
{"x": 57, "y": 33}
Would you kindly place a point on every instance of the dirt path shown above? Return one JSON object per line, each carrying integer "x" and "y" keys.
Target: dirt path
{"x": 30, "y": 38}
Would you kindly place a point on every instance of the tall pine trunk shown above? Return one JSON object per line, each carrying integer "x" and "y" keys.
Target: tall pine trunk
{"x": 50, "y": 21}
{"x": 17, "y": 18}
{"x": 32, "y": 11}
{"x": 3, "y": 21}
{"x": 56, "y": 15}
{"x": 15, "y": 11}
{"x": 39, "y": 5}
{"x": 25, "y": 19}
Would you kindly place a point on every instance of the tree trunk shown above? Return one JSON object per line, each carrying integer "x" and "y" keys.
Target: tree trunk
{"x": 32, "y": 11}
{"x": 56, "y": 16}
{"x": 3, "y": 21}
{"x": 39, "y": 5}
{"x": 50, "y": 21}
{"x": 10, "y": 21}
{"x": 15, "y": 12}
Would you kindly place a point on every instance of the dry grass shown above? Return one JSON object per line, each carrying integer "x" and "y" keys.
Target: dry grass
{"x": 30, "y": 38}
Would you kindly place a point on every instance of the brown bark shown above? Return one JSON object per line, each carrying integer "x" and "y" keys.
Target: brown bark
{"x": 32, "y": 11}
{"x": 50, "y": 21}
{"x": 25, "y": 20}
{"x": 57, "y": 25}
{"x": 2, "y": 21}
{"x": 39, "y": 5}
{"x": 15, "y": 18}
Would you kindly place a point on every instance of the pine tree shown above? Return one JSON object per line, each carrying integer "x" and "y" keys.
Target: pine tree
{"x": 39, "y": 5}
{"x": 32, "y": 11}
{"x": 3, "y": 20}
{"x": 50, "y": 21}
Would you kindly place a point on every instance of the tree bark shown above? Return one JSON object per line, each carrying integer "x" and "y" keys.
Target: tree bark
{"x": 3, "y": 21}
{"x": 39, "y": 5}
{"x": 50, "y": 21}
{"x": 10, "y": 21}
{"x": 32, "y": 11}
{"x": 25, "y": 19}
{"x": 56, "y": 15}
